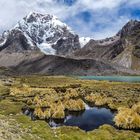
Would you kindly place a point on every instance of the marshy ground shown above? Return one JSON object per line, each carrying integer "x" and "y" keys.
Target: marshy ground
{"x": 52, "y": 96}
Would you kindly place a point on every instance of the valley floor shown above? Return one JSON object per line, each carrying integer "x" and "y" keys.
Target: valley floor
{"x": 57, "y": 94}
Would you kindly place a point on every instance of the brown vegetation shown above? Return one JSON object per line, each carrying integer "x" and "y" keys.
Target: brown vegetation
{"x": 127, "y": 118}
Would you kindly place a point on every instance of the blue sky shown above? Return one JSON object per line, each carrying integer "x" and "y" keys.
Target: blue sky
{"x": 94, "y": 18}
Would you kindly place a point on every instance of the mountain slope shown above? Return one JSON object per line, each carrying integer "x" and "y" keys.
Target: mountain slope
{"x": 122, "y": 49}
{"x": 101, "y": 50}
{"x": 54, "y": 65}
{"x": 130, "y": 37}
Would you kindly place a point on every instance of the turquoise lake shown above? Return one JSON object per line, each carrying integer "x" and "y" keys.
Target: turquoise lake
{"x": 112, "y": 78}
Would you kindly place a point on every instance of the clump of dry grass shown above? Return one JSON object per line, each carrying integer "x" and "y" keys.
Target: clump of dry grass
{"x": 37, "y": 101}
{"x": 39, "y": 113}
{"x": 18, "y": 91}
{"x": 44, "y": 100}
{"x": 127, "y": 118}
{"x": 91, "y": 98}
{"x": 56, "y": 111}
{"x": 29, "y": 102}
{"x": 59, "y": 113}
{"x": 136, "y": 107}
{"x": 71, "y": 93}
{"x": 98, "y": 99}
{"x": 74, "y": 105}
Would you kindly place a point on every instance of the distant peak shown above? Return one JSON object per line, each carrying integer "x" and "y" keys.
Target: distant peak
{"x": 132, "y": 22}
{"x": 129, "y": 27}
{"x": 37, "y": 14}
{"x": 34, "y": 16}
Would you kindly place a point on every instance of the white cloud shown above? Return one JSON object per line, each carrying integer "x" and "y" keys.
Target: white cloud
{"x": 103, "y": 12}
{"x": 99, "y": 4}
{"x": 110, "y": 28}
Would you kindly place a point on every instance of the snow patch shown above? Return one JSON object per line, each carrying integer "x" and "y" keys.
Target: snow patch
{"x": 2, "y": 43}
{"x": 29, "y": 40}
{"x": 47, "y": 48}
{"x": 84, "y": 41}
{"x": 3, "y": 38}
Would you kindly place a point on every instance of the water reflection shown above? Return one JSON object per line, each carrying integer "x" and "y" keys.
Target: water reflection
{"x": 90, "y": 119}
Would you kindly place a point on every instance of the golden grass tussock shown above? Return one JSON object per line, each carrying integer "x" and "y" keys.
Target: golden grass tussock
{"x": 127, "y": 118}
{"x": 27, "y": 90}
{"x": 58, "y": 113}
{"x": 41, "y": 102}
{"x": 91, "y": 98}
{"x": 98, "y": 100}
{"x": 18, "y": 91}
{"x": 44, "y": 100}
{"x": 4, "y": 90}
{"x": 136, "y": 107}
{"x": 71, "y": 93}
{"x": 37, "y": 101}
{"x": 47, "y": 113}
{"x": 74, "y": 105}
{"x": 55, "y": 111}
{"x": 39, "y": 113}
{"x": 29, "y": 102}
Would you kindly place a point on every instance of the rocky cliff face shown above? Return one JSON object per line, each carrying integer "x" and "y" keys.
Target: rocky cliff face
{"x": 45, "y": 32}
{"x": 15, "y": 41}
{"x": 122, "y": 49}
{"x": 130, "y": 38}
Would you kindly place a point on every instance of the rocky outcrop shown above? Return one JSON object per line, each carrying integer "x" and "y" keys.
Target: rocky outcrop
{"x": 16, "y": 42}
{"x": 130, "y": 36}
{"x": 136, "y": 51}
{"x": 101, "y": 50}
{"x": 122, "y": 49}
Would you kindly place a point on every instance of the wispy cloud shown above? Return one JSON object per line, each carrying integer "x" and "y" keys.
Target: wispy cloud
{"x": 96, "y": 18}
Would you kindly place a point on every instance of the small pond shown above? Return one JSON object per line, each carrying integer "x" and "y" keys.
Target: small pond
{"x": 90, "y": 119}
{"x": 112, "y": 78}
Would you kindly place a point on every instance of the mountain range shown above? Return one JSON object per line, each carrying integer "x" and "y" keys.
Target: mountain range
{"x": 43, "y": 44}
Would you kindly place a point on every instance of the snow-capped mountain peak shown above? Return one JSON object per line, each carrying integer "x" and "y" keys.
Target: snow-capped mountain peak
{"x": 44, "y": 30}
{"x": 48, "y": 33}
{"x": 43, "y": 20}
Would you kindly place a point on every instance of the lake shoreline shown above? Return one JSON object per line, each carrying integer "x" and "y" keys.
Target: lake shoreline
{"x": 131, "y": 79}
